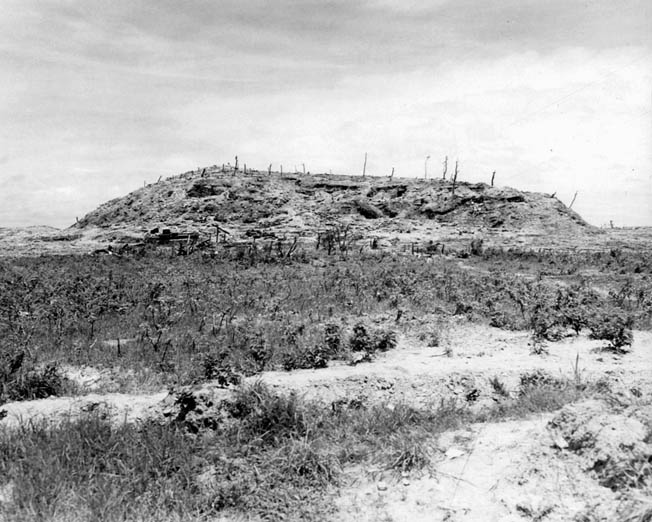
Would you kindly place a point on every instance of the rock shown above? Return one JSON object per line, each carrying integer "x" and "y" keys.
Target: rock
{"x": 359, "y": 357}
{"x": 560, "y": 443}
{"x": 453, "y": 453}
{"x": 368, "y": 210}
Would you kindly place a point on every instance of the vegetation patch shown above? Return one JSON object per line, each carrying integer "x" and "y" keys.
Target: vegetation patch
{"x": 260, "y": 453}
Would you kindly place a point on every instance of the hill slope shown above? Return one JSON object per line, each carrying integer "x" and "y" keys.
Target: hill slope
{"x": 259, "y": 204}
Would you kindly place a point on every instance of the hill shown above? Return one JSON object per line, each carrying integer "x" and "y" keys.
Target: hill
{"x": 394, "y": 211}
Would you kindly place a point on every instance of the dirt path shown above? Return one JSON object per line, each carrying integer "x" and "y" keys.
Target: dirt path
{"x": 119, "y": 407}
{"x": 413, "y": 374}
{"x": 421, "y": 375}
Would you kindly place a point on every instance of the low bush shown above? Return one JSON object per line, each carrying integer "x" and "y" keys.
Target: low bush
{"x": 615, "y": 328}
{"x": 215, "y": 367}
{"x": 21, "y": 380}
{"x": 378, "y": 340}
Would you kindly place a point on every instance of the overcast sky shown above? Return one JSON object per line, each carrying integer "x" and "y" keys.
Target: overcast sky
{"x": 98, "y": 96}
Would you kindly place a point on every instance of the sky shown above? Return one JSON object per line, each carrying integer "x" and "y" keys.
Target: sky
{"x": 99, "y": 96}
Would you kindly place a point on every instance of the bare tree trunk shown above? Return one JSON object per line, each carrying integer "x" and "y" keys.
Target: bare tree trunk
{"x": 574, "y": 198}
{"x": 492, "y": 178}
{"x": 236, "y": 164}
{"x": 455, "y": 176}
{"x": 445, "y": 167}
{"x": 269, "y": 170}
{"x": 364, "y": 167}
{"x": 392, "y": 174}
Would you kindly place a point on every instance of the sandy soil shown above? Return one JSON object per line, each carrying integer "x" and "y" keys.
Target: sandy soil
{"x": 504, "y": 471}
{"x": 419, "y": 375}
{"x": 508, "y": 471}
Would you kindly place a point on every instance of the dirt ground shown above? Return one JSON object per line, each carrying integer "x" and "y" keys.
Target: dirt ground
{"x": 513, "y": 470}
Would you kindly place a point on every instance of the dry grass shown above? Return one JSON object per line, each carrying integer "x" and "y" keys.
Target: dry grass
{"x": 270, "y": 455}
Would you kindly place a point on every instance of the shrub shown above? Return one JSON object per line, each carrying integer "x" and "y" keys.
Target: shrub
{"x": 215, "y": 367}
{"x": 309, "y": 347}
{"x": 333, "y": 338}
{"x": 378, "y": 340}
{"x": 35, "y": 383}
{"x": 615, "y": 328}
{"x": 360, "y": 340}
{"x": 498, "y": 387}
{"x": 383, "y": 340}
{"x": 314, "y": 357}
{"x": 537, "y": 379}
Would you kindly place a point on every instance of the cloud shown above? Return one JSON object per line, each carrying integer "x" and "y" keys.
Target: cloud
{"x": 554, "y": 95}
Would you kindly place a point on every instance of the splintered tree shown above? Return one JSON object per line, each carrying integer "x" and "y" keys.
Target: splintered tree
{"x": 492, "y": 178}
{"x": 235, "y": 169}
{"x": 455, "y": 176}
{"x": 364, "y": 166}
{"x": 445, "y": 167}
{"x": 574, "y": 198}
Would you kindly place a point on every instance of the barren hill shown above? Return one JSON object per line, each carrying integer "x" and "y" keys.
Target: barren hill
{"x": 259, "y": 204}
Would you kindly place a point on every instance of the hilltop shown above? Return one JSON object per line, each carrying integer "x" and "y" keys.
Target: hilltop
{"x": 396, "y": 211}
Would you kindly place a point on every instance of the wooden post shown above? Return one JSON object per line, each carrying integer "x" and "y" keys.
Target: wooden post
{"x": 574, "y": 198}
{"x": 364, "y": 167}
